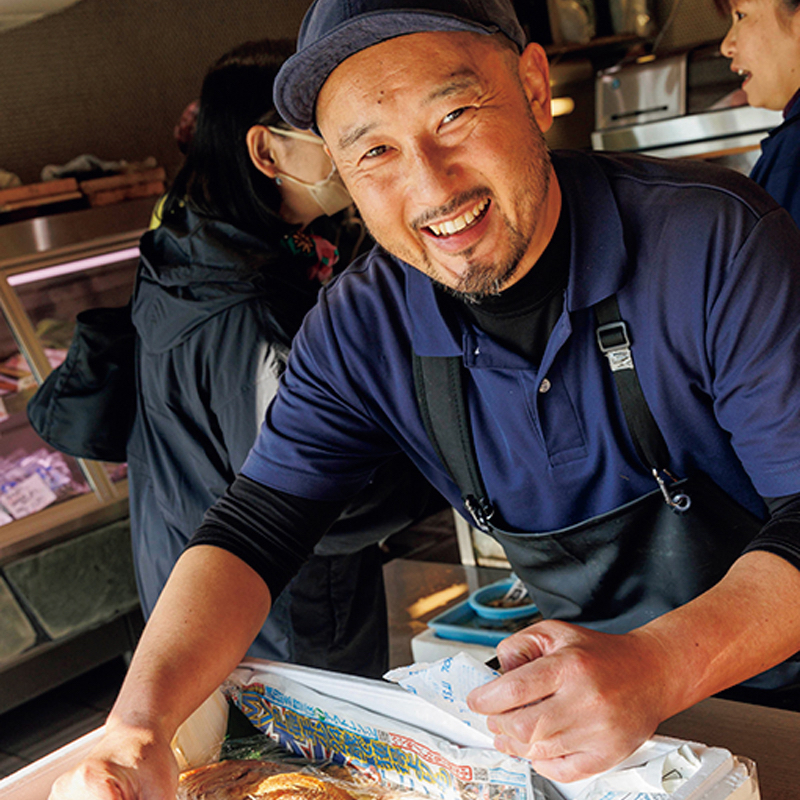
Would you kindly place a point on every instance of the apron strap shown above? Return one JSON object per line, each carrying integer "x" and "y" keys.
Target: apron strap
{"x": 439, "y": 387}
{"x": 615, "y": 343}
{"x": 440, "y": 396}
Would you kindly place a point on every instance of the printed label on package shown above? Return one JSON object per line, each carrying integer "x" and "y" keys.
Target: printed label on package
{"x": 382, "y": 749}
{"x": 27, "y": 497}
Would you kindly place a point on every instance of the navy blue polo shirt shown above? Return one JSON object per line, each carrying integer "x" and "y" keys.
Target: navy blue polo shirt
{"x": 706, "y": 268}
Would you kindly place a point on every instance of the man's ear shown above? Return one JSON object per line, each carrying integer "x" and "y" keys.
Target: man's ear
{"x": 534, "y": 72}
{"x": 259, "y": 146}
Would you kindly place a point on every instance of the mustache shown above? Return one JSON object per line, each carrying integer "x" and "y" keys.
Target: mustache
{"x": 449, "y": 207}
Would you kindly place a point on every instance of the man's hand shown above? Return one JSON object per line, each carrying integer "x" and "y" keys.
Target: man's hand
{"x": 125, "y": 765}
{"x": 209, "y": 612}
{"x": 577, "y": 702}
{"x": 573, "y": 701}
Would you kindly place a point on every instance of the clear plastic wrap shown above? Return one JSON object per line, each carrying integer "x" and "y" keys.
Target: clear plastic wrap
{"x": 381, "y": 754}
{"x": 30, "y": 482}
{"x": 257, "y": 768}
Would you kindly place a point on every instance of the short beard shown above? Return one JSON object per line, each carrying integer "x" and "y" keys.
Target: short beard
{"x": 482, "y": 280}
{"x": 488, "y": 278}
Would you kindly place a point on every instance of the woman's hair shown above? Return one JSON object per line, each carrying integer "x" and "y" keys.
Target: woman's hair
{"x": 218, "y": 179}
{"x": 789, "y": 6}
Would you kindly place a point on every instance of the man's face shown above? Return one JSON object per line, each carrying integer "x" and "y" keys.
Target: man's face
{"x": 438, "y": 138}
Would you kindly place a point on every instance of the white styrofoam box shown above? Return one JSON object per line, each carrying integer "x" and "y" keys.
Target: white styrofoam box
{"x": 427, "y": 646}
{"x": 34, "y": 781}
{"x": 722, "y": 776}
{"x": 196, "y": 742}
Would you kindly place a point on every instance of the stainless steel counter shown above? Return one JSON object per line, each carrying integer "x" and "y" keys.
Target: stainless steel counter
{"x": 689, "y": 135}
{"x": 64, "y": 235}
{"x": 418, "y": 590}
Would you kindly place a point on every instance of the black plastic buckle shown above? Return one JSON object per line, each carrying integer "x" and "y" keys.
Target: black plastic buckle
{"x": 613, "y": 336}
{"x": 481, "y": 511}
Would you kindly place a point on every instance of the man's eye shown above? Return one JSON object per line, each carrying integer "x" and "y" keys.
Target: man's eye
{"x": 738, "y": 16}
{"x": 453, "y": 115}
{"x": 374, "y": 152}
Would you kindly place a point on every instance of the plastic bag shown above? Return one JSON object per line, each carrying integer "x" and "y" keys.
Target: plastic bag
{"x": 257, "y": 768}
{"x": 30, "y": 482}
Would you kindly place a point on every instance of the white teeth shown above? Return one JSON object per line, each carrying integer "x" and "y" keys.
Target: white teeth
{"x": 451, "y": 226}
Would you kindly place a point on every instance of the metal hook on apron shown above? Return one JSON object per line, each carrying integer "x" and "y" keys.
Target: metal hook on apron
{"x": 679, "y": 502}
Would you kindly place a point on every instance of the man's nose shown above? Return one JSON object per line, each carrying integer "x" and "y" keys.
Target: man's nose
{"x": 431, "y": 174}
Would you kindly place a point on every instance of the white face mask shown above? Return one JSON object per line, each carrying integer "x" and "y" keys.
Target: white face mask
{"x": 330, "y": 193}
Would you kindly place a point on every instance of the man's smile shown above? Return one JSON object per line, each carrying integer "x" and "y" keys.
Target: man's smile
{"x": 461, "y": 233}
{"x": 460, "y": 223}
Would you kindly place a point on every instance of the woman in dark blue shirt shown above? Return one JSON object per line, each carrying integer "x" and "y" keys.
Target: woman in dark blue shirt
{"x": 763, "y": 44}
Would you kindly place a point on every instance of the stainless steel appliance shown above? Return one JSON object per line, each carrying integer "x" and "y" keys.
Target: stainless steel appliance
{"x": 678, "y": 107}
{"x": 642, "y": 92}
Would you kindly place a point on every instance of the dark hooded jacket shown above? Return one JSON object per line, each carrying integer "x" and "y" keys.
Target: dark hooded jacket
{"x": 215, "y": 310}
{"x": 209, "y": 352}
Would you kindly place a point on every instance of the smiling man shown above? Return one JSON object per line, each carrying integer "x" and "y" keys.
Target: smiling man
{"x": 623, "y": 333}
{"x": 430, "y": 159}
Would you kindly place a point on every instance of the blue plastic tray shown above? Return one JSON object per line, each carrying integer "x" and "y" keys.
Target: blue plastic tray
{"x": 462, "y": 624}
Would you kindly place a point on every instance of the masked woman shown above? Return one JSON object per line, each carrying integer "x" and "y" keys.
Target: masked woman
{"x": 256, "y": 220}
{"x": 763, "y": 44}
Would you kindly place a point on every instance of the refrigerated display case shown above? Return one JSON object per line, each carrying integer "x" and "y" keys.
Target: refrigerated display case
{"x": 68, "y": 597}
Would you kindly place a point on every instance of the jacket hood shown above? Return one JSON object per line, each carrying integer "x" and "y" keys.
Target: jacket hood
{"x": 192, "y": 269}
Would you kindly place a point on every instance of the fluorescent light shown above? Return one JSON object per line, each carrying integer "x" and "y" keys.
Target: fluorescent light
{"x": 73, "y": 266}
{"x": 561, "y": 106}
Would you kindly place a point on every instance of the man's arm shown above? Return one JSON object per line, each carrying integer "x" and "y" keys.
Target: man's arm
{"x": 211, "y": 609}
{"x": 208, "y": 614}
{"x": 576, "y": 702}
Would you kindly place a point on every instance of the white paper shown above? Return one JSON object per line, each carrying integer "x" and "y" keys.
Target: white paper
{"x": 446, "y": 684}
{"x": 656, "y": 779}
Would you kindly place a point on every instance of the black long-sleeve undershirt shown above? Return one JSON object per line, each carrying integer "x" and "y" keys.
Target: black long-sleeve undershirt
{"x": 274, "y": 532}
{"x": 271, "y": 531}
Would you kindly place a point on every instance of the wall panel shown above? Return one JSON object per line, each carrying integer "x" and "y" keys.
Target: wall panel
{"x": 111, "y": 77}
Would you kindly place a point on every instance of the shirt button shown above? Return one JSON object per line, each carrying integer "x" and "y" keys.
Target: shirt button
{"x": 544, "y": 386}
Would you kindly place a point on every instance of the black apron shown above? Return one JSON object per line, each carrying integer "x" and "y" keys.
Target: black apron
{"x": 619, "y": 570}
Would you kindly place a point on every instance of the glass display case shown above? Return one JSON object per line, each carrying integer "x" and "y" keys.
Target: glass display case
{"x": 67, "y": 592}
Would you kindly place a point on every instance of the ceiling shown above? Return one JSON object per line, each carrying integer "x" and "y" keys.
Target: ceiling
{"x": 14, "y": 13}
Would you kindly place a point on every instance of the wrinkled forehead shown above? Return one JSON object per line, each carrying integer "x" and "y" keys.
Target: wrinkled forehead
{"x": 401, "y": 74}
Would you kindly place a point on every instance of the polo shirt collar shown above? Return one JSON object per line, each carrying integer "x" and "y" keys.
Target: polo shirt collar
{"x": 598, "y": 258}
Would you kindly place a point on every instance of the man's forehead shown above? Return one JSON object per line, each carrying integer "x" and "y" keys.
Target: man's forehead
{"x": 375, "y": 72}
{"x": 455, "y": 84}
